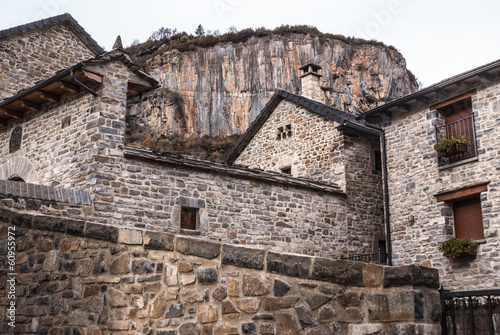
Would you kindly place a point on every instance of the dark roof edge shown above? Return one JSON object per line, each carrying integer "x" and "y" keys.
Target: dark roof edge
{"x": 234, "y": 170}
{"x": 446, "y": 82}
{"x": 52, "y": 20}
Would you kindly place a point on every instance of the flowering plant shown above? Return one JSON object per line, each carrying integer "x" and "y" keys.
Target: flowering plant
{"x": 450, "y": 145}
{"x": 458, "y": 247}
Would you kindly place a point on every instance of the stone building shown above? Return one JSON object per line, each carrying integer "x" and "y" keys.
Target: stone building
{"x": 435, "y": 197}
{"x": 117, "y": 239}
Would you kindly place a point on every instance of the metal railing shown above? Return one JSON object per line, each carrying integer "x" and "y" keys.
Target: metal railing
{"x": 379, "y": 257}
{"x": 464, "y": 126}
{"x": 470, "y": 312}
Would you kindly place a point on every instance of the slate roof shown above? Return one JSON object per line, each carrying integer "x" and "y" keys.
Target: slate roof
{"x": 343, "y": 118}
{"x": 53, "y": 20}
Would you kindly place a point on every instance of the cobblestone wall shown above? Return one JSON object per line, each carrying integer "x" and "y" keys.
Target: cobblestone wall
{"x": 29, "y": 57}
{"x": 74, "y": 276}
{"x": 419, "y": 222}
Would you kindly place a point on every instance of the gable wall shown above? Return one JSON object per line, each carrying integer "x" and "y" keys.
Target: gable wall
{"x": 314, "y": 150}
{"x": 36, "y": 55}
{"x": 420, "y": 223}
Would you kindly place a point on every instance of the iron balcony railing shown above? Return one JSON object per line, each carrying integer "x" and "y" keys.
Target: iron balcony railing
{"x": 460, "y": 127}
{"x": 379, "y": 257}
{"x": 470, "y": 312}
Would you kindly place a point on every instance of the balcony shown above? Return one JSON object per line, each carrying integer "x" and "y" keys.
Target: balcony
{"x": 463, "y": 126}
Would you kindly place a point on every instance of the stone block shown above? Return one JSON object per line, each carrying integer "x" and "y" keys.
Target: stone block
{"x": 21, "y": 220}
{"x": 338, "y": 271}
{"x": 117, "y": 298}
{"x": 243, "y": 257}
{"x": 288, "y": 265}
{"x": 354, "y": 329}
{"x": 121, "y": 264}
{"x": 412, "y": 275}
{"x": 280, "y": 288}
{"x": 315, "y": 299}
{"x": 207, "y": 276}
{"x": 207, "y": 314}
{"x": 373, "y": 275}
{"x": 286, "y": 325}
{"x": 175, "y": 310}
{"x": 271, "y": 304}
{"x": 75, "y": 228}
{"x": 248, "y": 305}
{"x": 48, "y": 223}
{"x": 352, "y": 314}
{"x": 190, "y": 202}
{"x": 158, "y": 241}
{"x": 391, "y": 307}
{"x": 198, "y": 248}
{"x": 252, "y": 286}
{"x": 128, "y": 236}
{"x": 249, "y": 328}
{"x": 304, "y": 316}
{"x": 220, "y": 293}
{"x": 102, "y": 232}
{"x": 142, "y": 266}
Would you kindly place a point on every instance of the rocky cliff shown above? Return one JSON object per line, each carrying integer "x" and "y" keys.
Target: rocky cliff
{"x": 221, "y": 89}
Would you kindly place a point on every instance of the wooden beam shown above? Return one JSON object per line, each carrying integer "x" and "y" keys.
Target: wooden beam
{"x": 462, "y": 86}
{"x": 404, "y": 108}
{"x": 453, "y": 100}
{"x": 15, "y": 114}
{"x": 486, "y": 78}
{"x": 51, "y": 97}
{"x": 30, "y": 105}
{"x": 96, "y": 77}
{"x": 423, "y": 100}
{"x": 69, "y": 87}
{"x": 441, "y": 93}
{"x": 462, "y": 193}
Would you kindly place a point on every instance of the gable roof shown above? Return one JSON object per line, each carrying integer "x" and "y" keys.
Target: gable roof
{"x": 63, "y": 18}
{"x": 484, "y": 72}
{"x": 72, "y": 80}
{"x": 343, "y": 118}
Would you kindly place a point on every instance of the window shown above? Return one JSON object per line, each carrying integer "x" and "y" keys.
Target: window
{"x": 458, "y": 121}
{"x": 188, "y": 218}
{"x": 16, "y": 138}
{"x": 468, "y": 219}
{"x": 286, "y": 170}
{"x": 284, "y": 132}
{"x": 467, "y": 214}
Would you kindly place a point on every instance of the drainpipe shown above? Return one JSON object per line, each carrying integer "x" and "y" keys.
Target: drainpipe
{"x": 386, "y": 192}
{"x": 81, "y": 84}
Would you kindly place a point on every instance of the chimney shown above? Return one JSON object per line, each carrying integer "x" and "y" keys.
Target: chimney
{"x": 309, "y": 80}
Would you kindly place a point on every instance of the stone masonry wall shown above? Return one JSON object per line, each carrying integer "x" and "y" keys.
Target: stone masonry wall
{"x": 419, "y": 222}
{"x": 35, "y": 55}
{"x": 314, "y": 150}
{"x": 76, "y": 277}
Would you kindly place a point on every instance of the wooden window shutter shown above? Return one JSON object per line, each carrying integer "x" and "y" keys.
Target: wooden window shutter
{"x": 468, "y": 219}
{"x": 188, "y": 218}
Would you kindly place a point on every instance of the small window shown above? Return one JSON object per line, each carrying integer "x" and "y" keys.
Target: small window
{"x": 468, "y": 219}
{"x": 378, "y": 160}
{"x": 16, "y": 178}
{"x": 286, "y": 170}
{"x": 284, "y": 132}
{"x": 66, "y": 122}
{"x": 188, "y": 218}
{"x": 16, "y": 138}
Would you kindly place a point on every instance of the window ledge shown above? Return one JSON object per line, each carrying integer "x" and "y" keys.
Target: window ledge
{"x": 465, "y": 161}
{"x": 482, "y": 241}
{"x": 190, "y": 232}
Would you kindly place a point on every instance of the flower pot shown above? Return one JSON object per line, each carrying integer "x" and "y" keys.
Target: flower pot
{"x": 460, "y": 148}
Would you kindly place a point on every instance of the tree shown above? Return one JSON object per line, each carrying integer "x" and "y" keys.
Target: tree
{"x": 232, "y": 29}
{"x": 200, "y": 31}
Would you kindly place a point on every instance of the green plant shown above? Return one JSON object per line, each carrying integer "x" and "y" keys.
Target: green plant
{"x": 458, "y": 247}
{"x": 449, "y": 145}
{"x": 184, "y": 39}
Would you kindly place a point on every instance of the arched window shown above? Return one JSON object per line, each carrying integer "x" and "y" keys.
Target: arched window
{"x": 16, "y": 178}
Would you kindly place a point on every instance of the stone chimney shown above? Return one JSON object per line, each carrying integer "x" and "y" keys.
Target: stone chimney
{"x": 310, "y": 82}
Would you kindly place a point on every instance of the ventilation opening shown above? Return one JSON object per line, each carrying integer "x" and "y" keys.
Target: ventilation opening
{"x": 286, "y": 170}
{"x": 17, "y": 178}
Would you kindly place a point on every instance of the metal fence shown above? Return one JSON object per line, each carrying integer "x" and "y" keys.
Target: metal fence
{"x": 379, "y": 257}
{"x": 460, "y": 127}
{"x": 470, "y": 312}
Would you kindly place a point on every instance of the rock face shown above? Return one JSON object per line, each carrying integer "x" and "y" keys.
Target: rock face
{"x": 220, "y": 90}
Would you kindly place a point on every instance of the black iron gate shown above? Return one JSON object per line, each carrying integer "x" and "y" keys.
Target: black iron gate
{"x": 470, "y": 312}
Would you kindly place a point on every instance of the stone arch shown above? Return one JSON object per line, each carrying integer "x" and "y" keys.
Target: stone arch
{"x": 19, "y": 167}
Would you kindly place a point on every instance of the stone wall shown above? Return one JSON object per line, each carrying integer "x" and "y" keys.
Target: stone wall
{"x": 313, "y": 151}
{"x": 77, "y": 277}
{"x": 419, "y": 222}
{"x": 29, "y": 57}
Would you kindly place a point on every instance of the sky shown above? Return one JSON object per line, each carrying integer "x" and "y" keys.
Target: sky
{"x": 438, "y": 38}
